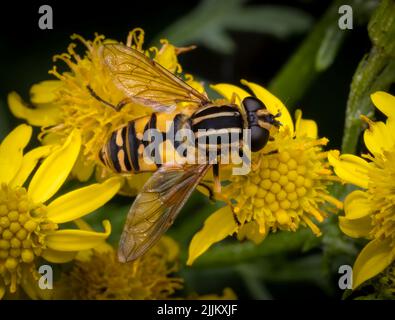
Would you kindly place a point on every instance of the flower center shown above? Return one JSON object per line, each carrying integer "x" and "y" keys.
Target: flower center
{"x": 382, "y": 193}
{"x": 286, "y": 188}
{"x": 22, "y": 227}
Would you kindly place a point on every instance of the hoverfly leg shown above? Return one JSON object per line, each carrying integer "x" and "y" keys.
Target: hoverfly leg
{"x": 98, "y": 98}
{"x": 270, "y": 153}
{"x": 255, "y": 166}
{"x": 123, "y": 103}
{"x": 217, "y": 182}
{"x": 209, "y": 190}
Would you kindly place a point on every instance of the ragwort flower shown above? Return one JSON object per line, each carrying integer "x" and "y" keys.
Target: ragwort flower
{"x": 370, "y": 213}
{"x": 285, "y": 188}
{"x": 97, "y": 274}
{"x": 59, "y": 106}
{"x": 30, "y": 216}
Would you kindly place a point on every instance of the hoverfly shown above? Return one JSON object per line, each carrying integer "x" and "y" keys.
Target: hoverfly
{"x": 147, "y": 83}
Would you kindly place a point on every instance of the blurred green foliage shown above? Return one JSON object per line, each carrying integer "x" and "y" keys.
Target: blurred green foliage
{"x": 210, "y": 22}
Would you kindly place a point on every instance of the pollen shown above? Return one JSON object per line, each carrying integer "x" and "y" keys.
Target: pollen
{"x": 286, "y": 190}
{"x": 103, "y": 277}
{"x": 381, "y": 193}
{"x": 22, "y": 231}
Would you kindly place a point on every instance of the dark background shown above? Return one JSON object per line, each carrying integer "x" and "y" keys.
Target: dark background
{"x": 26, "y": 51}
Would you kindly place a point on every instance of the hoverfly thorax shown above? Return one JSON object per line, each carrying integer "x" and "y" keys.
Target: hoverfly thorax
{"x": 260, "y": 121}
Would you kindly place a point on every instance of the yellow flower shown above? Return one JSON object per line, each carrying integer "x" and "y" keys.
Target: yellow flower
{"x": 285, "y": 188}
{"x": 63, "y": 105}
{"x": 370, "y": 213}
{"x": 98, "y": 275}
{"x": 30, "y": 216}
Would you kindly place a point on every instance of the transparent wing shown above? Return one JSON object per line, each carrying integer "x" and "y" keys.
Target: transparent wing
{"x": 156, "y": 207}
{"x": 145, "y": 81}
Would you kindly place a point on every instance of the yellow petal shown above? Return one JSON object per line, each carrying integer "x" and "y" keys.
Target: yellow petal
{"x": 372, "y": 260}
{"x": 350, "y": 168}
{"x": 217, "y": 227}
{"x": 227, "y": 91}
{"x": 83, "y": 169}
{"x": 357, "y": 205}
{"x": 356, "y": 228}
{"x": 45, "y": 92}
{"x": 167, "y": 57}
{"x": 272, "y": 103}
{"x": 11, "y": 152}
{"x": 78, "y": 203}
{"x": 378, "y": 137}
{"x": 305, "y": 127}
{"x": 384, "y": 102}
{"x": 42, "y": 117}
{"x": 29, "y": 162}
{"x": 77, "y": 240}
{"x": 58, "y": 256}
{"x": 55, "y": 169}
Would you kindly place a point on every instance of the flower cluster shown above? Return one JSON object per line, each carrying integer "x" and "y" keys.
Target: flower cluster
{"x": 30, "y": 216}
{"x": 370, "y": 213}
{"x": 285, "y": 189}
{"x": 63, "y": 105}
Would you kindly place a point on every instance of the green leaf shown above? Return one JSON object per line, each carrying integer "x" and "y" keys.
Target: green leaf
{"x": 376, "y": 71}
{"x": 208, "y": 24}
{"x": 316, "y": 53}
{"x": 329, "y": 48}
{"x": 233, "y": 252}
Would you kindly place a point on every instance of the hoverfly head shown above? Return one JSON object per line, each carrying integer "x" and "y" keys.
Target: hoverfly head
{"x": 260, "y": 121}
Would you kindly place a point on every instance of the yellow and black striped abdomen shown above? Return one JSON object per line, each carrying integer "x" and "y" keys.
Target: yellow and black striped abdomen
{"x": 124, "y": 151}
{"x": 213, "y": 127}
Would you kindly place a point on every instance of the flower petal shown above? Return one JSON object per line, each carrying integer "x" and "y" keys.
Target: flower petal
{"x": 40, "y": 116}
{"x": 217, "y": 227}
{"x": 55, "y": 169}
{"x": 384, "y": 102}
{"x": 44, "y": 92}
{"x": 29, "y": 162}
{"x": 55, "y": 256}
{"x": 83, "y": 169}
{"x": 378, "y": 137}
{"x": 372, "y": 260}
{"x": 77, "y": 240}
{"x": 272, "y": 103}
{"x": 11, "y": 152}
{"x": 357, "y": 205}
{"x": 227, "y": 90}
{"x": 77, "y": 203}
{"x": 350, "y": 168}
{"x": 305, "y": 127}
{"x": 356, "y": 228}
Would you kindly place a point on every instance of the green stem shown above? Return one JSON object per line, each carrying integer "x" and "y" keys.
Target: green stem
{"x": 375, "y": 72}
{"x": 293, "y": 80}
{"x": 299, "y": 72}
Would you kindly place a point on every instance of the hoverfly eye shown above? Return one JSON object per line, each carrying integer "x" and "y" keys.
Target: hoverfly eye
{"x": 259, "y": 138}
{"x": 252, "y": 104}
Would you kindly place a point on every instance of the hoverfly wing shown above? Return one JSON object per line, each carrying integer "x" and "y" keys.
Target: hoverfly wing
{"x": 156, "y": 207}
{"x": 146, "y": 81}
